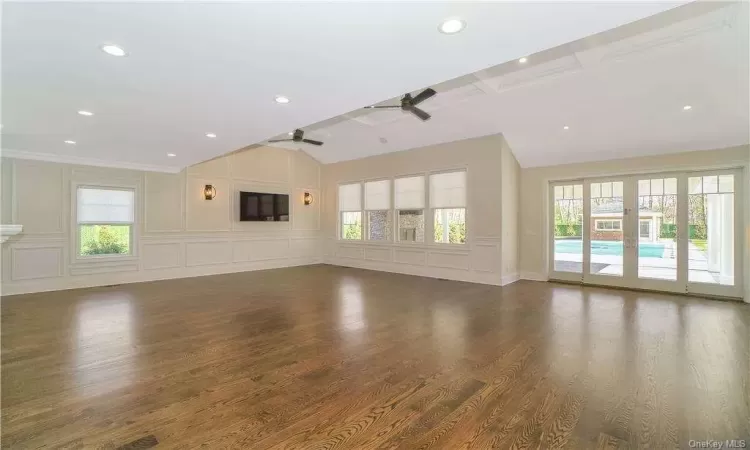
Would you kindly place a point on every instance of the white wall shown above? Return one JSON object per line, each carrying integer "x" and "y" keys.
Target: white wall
{"x": 747, "y": 228}
{"x": 480, "y": 259}
{"x": 179, "y": 233}
{"x": 535, "y": 202}
{"x": 511, "y": 184}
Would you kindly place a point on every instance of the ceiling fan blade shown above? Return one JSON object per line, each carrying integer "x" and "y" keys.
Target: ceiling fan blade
{"x": 280, "y": 140}
{"x": 422, "y": 96}
{"x": 383, "y": 106}
{"x": 419, "y": 113}
{"x": 310, "y": 141}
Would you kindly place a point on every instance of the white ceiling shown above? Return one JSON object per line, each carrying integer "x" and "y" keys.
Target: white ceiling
{"x": 194, "y": 68}
{"x": 621, "y": 93}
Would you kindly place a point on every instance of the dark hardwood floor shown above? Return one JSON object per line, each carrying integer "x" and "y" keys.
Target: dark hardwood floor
{"x": 328, "y": 357}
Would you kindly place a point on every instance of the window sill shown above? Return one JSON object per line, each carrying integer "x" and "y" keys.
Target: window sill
{"x": 96, "y": 259}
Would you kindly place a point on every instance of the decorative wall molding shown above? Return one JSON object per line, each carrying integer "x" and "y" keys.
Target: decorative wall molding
{"x": 32, "y": 262}
{"x": 161, "y": 255}
{"x": 78, "y": 160}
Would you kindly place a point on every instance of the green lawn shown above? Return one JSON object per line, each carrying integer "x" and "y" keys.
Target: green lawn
{"x": 700, "y": 243}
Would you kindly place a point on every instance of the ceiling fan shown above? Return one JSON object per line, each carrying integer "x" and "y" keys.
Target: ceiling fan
{"x": 409, "y": 103}
{"x": 298, "y": 136}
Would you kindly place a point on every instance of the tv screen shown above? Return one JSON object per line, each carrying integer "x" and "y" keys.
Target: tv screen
{"x": 264, "y": 207}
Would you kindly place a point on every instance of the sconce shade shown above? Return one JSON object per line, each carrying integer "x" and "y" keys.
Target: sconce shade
{"x": 209, "y": 192}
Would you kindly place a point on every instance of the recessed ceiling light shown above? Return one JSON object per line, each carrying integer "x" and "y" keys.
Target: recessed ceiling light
{"x": 282, "y": 99}
{"x": 171, "y": 155}
{"x": 113, "y": 50}
{"x": 70, "y": 142}
{"x": 523, "y": 60}
{"x": 687, "y": 107}
{"x": 85, "y": 113}
{"x": 566, "y": 127}
{"x": 210, "y": 135}
{"x": 452, "y": 26}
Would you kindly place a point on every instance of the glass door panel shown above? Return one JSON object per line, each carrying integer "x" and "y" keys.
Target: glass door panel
{"x": 657, "y": 228}
{"x": 567, "y": 230}
{"x": 606, "y": 223}
{"x": 711, "y": 225}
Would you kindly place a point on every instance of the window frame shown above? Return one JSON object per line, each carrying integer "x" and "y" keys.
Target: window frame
{"x": 340, "y": 219}
{"x": 432, "y": 209}
{"x": 424, "y": 209}
{"x": 389, "y": 211}
{"x": 597, "y": 221}
{"x": 75, "y": 230}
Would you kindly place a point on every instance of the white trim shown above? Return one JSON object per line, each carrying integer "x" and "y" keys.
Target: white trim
{"x": 84, "y": 161}
{"x": 509, "y": 279}
{"x": 533, "y": 276}
{"x": 75, "y": 226}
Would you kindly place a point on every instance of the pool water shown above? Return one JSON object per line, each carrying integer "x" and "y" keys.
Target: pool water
{"x": 645, "y": 249}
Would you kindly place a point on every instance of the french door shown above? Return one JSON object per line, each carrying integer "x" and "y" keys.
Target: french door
{"x": 676, "y": 232}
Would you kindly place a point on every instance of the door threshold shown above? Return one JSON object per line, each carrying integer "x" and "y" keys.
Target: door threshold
{"x": 656, "y": 291}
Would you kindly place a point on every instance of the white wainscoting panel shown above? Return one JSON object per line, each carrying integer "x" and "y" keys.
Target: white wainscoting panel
{"x": 260, "y": 249}
{"x": 29, "y": 263}
{"x": 207, "y": 253}
{"x": 161, "y": 255}
{"x": 407, "y": 256}
{"x": 486, "y": 257}
{"x": 378, "y": 254}
{"x": 100, "y": 267}
{"x": 449, "y": 260}
{"x": 345, "y": 251}
{"x": 304, "y": 247}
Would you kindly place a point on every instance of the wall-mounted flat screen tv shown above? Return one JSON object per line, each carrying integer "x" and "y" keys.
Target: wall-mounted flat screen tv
{"x": 264, "y": 207}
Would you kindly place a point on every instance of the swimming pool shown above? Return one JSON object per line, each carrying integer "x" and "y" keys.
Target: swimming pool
{"x": 645, "y": 249}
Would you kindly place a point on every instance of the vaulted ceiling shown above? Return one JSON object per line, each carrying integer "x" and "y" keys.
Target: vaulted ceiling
{"x": 674, "y": 82}
{"x": 197, "y": 68}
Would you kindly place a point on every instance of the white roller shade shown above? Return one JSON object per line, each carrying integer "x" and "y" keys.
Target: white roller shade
{"x": 409, "y": 193}
{"x": 106, "y": 206}
{"x": 378, "y": 195}
{"x": 448, "y": 190}
{"x": 350, "y": 197}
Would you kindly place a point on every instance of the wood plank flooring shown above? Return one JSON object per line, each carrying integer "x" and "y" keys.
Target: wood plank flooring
{"x": 336, "y": 358}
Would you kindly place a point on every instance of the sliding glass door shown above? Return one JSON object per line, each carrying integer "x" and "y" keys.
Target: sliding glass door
{"x": 676, "y": 232}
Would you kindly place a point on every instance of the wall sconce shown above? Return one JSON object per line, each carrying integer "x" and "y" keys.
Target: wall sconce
{"x": 209, "y": 192}
{"x": 308, "y": 199}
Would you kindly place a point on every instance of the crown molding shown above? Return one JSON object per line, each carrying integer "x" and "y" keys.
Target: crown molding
{"x": 49, "y": 157}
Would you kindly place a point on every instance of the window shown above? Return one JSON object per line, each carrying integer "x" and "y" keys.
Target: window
{"x": 409, "y": 203}
{"x": 350, "y": 210}
{"x": 105, "y": 220}
{"x": 378, "y": 210}
{"x": 448, "y": 201}
{"x": 609, "y": 225}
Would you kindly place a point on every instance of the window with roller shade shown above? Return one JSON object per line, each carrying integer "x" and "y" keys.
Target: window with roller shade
{"x": 409, "y": 193}
{"x": 378, "y": 210}
{"x": 350, "y": 211}
{"x": 448, "y": 205}
{"x": 105, "y": 218}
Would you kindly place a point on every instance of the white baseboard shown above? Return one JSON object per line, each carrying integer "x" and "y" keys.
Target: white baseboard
{"x": 508, "y": 279}
{"x": 534, "y": 276}
{"x": 422, "y": 271}
{"x": 140, "y": 276}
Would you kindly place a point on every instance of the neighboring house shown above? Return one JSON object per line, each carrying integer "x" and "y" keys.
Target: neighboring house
{"x": 606, "y": 223}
